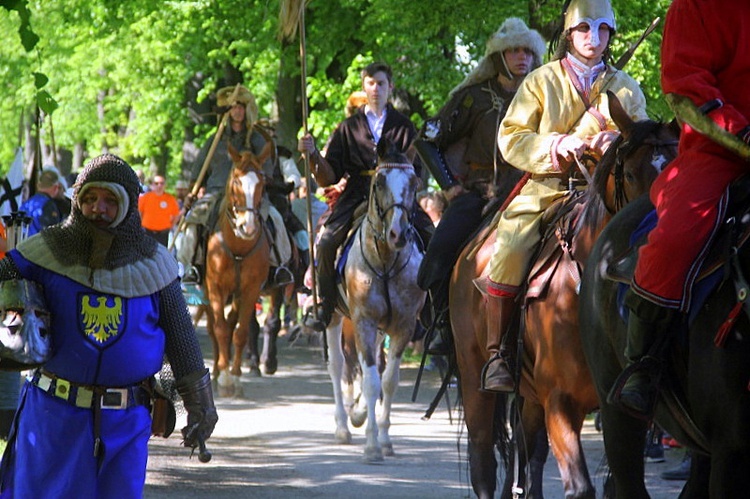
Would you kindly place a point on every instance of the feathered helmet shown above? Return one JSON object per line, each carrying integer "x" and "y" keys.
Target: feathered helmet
{"x": 512, "y": 33}
{"x": 238, "y": 94}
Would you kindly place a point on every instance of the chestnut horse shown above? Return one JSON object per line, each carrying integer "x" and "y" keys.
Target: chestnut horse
{"x": 555, "y": 383}
{"x": 237, "y": 264}
{"x": 380, "y": 296}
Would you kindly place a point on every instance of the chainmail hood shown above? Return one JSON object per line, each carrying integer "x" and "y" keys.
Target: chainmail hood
{"x": 121, "y": 258}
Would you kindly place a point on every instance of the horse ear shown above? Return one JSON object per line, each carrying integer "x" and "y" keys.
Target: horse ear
{"x": 619, "y": 115}
{"x": 384, "y": 145}
{"x": 234, "y": 154}
{"x": 268, "y": 148}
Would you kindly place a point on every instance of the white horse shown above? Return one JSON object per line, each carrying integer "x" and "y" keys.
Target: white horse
{"x": 381, "y": 294}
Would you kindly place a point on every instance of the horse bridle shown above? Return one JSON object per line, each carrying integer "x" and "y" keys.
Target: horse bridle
{"x": 232, "y": 209}
{"x": 387, "y": 273}
{"x": 624, "y": 149}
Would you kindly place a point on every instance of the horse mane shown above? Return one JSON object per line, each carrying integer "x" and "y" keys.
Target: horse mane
{"x": 594, "y": 197}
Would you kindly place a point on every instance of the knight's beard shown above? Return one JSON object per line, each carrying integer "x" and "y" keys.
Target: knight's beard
{"x": 101, "y": 220}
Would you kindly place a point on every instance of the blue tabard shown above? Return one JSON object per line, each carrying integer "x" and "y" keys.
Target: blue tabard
{"x": 97, "y": 339}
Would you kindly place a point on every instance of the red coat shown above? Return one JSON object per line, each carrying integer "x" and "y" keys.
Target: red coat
{"x": 705, "y": 56}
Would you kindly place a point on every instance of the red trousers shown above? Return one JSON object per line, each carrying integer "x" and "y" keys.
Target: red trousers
{"x": 689, "y": 196}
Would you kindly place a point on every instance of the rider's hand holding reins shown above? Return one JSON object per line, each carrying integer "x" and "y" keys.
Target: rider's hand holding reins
{"x": 568, "y": 149}
{"x": 600, "y": 142}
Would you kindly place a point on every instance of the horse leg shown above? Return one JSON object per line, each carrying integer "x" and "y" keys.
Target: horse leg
{"x": 367, "y": 348}
{"x": 564, "y": 422}
{"x": 389, "y": 384}
{"x": 223, "y": 339}
{"x": 240, "y": 341}
{"x": 252, "y": 343}
{"x": 335, "y": 370}
{"x": 726, "y": 461}
{"x": 271, "y": 328}
{"x": 215, "y": 350}
{"x": 352, "y": 376}
{"x": 624, "y": 437}
{"x": 524, "y": 444}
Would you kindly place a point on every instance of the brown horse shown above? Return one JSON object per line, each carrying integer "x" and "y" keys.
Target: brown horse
{"x": 237, "y": 264}
{"x": 555, "y": 383}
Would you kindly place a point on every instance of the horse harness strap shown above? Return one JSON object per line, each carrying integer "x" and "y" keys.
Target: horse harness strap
{"x": 387, "y": 274}
{"x": 237, "y": 259}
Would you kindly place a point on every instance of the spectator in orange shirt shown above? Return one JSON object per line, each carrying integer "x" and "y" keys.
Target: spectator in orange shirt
{"x": 159, "y": 211}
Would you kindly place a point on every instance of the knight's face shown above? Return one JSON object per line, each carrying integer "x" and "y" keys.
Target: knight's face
{"x": 100, "y": 206}
{"x": 588, "y": 45}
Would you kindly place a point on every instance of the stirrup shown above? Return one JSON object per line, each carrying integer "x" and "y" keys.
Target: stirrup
{"x": 498, "y": 357}
{"x": 192, "y": 275}
{"x": 282, "y": 276}
{"x": 652, "y": 367}
{"x": 315, "y": 323}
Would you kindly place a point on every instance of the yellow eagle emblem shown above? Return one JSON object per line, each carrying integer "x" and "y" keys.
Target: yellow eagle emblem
{"x": 100, "y": 321}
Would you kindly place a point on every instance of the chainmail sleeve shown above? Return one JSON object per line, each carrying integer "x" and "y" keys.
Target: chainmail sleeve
{"x": 8, "y": 270}
{"x": 182, "y": 348}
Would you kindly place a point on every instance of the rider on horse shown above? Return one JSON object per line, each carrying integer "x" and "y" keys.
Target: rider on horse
{"x": 560, "y": 111}
{"x": 704, "y": 59}
{"x": 468, "y": 125}
{"x": 243, "y": 133}
{"x": 352, "y": 151}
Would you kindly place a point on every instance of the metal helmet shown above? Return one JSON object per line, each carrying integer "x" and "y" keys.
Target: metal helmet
{"x": 592, "y": 12}
{"x": 25, "y": 328}
{"x": 238, "y": 94}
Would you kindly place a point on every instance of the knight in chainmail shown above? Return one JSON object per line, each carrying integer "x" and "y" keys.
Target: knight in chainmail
{"x": 470, "y": 170}
{"x": 116, "y": 309}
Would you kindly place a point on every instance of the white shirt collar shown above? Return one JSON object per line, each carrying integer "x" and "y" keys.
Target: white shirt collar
{"x": 375, "y": 122}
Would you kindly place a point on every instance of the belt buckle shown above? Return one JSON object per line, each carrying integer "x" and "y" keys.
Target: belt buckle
{"x": 115, "y": 398}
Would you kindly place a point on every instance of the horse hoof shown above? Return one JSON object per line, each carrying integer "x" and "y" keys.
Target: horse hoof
{"x": 388, "y": 450}
{"x": 226, "y": 391}
{"x": 358, "y": 417}
{"x": 343, "y": 437}
{"x": 270, "y": 367}
{"x": 255, "y": 372}
{"x": 374, "y": 455}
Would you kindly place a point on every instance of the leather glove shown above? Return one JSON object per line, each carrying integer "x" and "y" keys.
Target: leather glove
{"x": 196, "y": 393}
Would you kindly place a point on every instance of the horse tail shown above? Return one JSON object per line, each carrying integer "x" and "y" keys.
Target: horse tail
{"x": 501, "y": 433}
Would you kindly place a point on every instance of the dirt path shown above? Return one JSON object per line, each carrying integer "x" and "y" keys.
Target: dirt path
{"x": 279, "y": 443}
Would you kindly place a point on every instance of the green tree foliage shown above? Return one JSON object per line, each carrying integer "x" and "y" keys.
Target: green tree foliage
{"x": 138, "y": 77}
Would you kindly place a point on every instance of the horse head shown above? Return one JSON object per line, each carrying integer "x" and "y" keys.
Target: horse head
{"x": 392, "y": 196}
{"x": 630, "y": 165}
{"x": 244, "y": 191}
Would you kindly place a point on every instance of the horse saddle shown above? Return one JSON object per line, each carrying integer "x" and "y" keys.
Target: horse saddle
{"x": 732, "y": 234}
{"x": 558, "y": 225}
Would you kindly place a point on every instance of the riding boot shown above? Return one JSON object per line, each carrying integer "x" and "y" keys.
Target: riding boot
{"x": 636, "y": 388}
{"x": 496, "y": 376}
{"x": 326, "y": 304}
{"x": 441, "y": 341}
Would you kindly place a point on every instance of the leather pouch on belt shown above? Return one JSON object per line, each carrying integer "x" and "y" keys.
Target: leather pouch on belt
{"x": 163, "y": 416}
